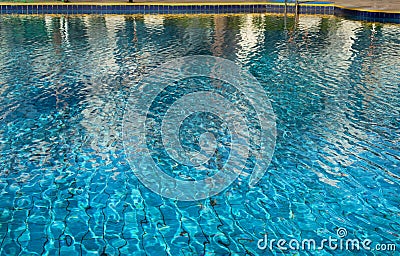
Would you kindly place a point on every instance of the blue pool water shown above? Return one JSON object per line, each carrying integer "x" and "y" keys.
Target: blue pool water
{"x": 66, "y": 187}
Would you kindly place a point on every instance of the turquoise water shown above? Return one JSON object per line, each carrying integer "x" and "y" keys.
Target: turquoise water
{"x": 67, "y": 189}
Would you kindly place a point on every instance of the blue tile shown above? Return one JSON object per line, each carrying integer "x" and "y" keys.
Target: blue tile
{"x": 171, "y": 9}
{"x": 247, "y": 9}
{"x": 185, "y": 9}
{"x": 104, "y": 9}
{"x": 29, "y": 9}
{"x": 208, "y": 9}
{"x": 118, "y": 9}
{"x": 197, "y": 9}
{"x": 96, "y": 9}
{"x": 128, "y": 9}
{"x": 160, "y": 9}
{"x": 55, "y": 9}
{"x": 92, "y": 9}
{"x": 107, "y": 9}
{"x": 204, "y": 8}
{"x": 44, "y": 9}
{"x": 50, "y": 9}
{"x": 69, "y": 9}
{"x": 63, "y": 10}
{"x": 232, "y": 9}
{"x": 259, "y": 8}
{"x": 8, "y": 9}
{"x": 79, "y": 9}
{"x": 86, "y": 9}
{"x": 201, "y": 8}
{"x": 153, "y": 9}
{"x": 137, "y": 9}
{"x": 235, "y": 9}
{"x": 14, "y": 9}
{"x": 122, "y": 9}
{"x": 242, "y": 8}
{"x": 39, "y": 9}
{"x": 221, "y": 9}
{"x": 213, "y": 9}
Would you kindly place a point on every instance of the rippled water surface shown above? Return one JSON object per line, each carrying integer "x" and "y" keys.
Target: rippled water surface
{"x": 66, "y": 187}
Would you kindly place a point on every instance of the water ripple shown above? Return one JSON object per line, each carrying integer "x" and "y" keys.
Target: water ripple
{"x": 67, "y": 189}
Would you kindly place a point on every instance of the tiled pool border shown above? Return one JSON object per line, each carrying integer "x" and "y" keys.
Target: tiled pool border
{"x": 161, "y": 8}
{"x": 196, "y": 8}
{"x": 368, "y": 15}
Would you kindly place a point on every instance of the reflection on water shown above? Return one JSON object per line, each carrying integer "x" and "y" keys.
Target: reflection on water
{"x": 66, "y": 187}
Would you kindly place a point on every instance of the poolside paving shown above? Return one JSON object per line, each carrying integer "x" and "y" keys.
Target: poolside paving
{"x": 381, "y": 5}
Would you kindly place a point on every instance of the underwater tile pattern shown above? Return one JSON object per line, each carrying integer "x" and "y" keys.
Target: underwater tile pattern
{"x": 67, "y": 189}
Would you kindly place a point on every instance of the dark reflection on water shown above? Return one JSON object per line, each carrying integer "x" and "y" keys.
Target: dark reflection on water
{"x": 67, "y": 189}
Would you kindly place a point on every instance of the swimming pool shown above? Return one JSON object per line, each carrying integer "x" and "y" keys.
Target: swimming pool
{"x": 67, "y": 188}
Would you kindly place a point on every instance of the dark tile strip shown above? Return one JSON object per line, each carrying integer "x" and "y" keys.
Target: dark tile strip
{"x": 196, "y": 9}
{"x": 368, "y": 16}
